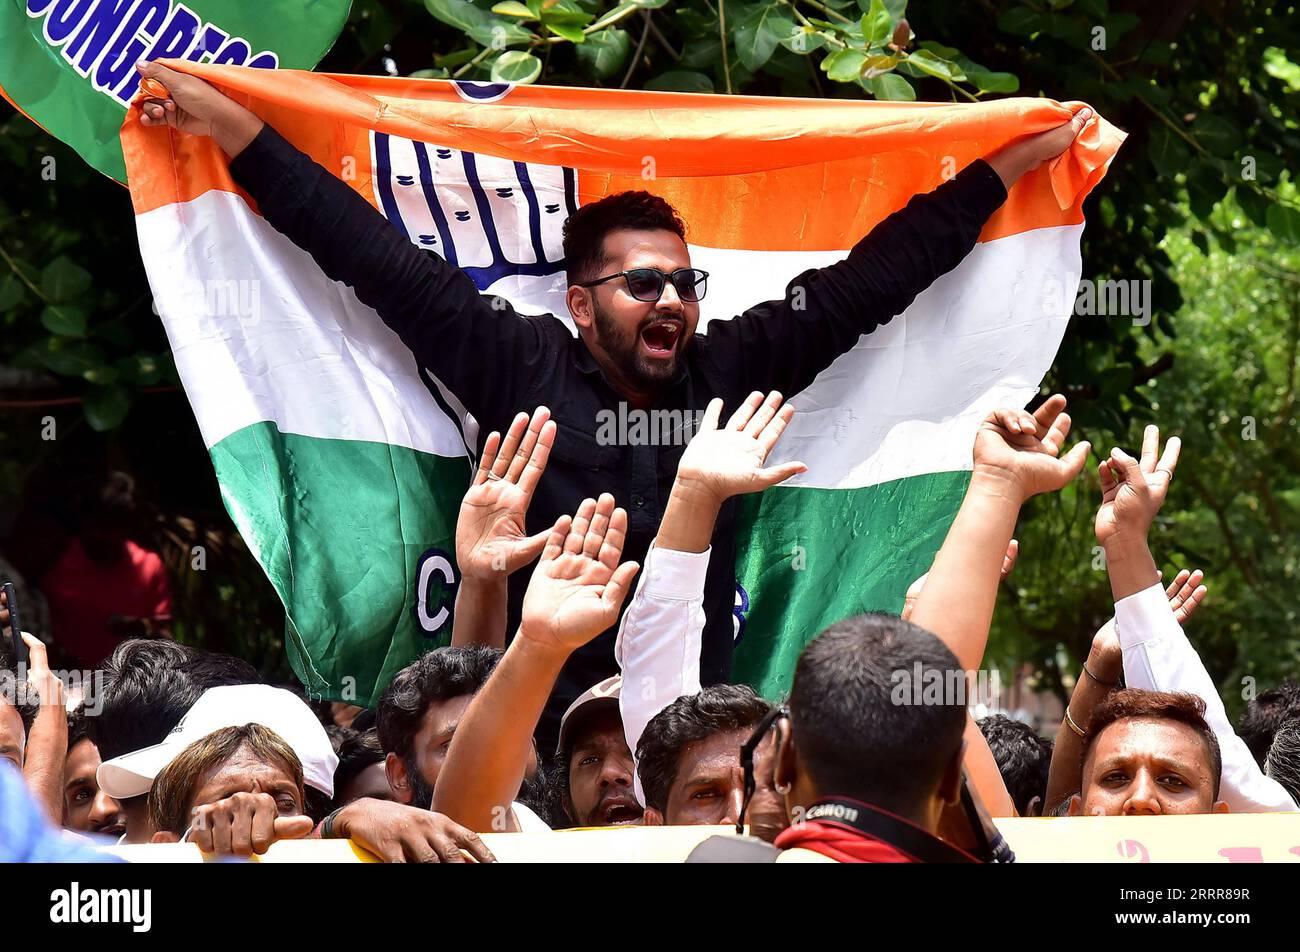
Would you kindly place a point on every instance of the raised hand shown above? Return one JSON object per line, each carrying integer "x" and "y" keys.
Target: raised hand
{"x": 245, "y": 823}
{"x": 490, "y": 536}
{"x": 1132, "y": 491}
{"x": 1023, "y": 449}
{"x": 728, "y": 461}
{"x": 1186, "y": 594}
{"x": 1017, "y": 158}
{"x": 578, "y": 587}
{"x": 195, "y": 107}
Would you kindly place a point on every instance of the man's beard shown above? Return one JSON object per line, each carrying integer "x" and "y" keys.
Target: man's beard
{"x": 421, "y": 792}
{"x": 621, "y": 347}
{"x": 535, "y": 792}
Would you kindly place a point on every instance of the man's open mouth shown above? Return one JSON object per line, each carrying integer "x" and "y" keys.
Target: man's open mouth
{"x": 661, "y": 337}
{"x": 620, "y": 810}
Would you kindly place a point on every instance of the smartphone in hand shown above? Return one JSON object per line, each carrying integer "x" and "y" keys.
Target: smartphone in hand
{"x": 12, "y": 623}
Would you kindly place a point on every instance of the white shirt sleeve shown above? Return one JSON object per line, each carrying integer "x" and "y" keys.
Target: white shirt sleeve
{"x": 658, "y": 645}
{"x": 1158, "y": 657}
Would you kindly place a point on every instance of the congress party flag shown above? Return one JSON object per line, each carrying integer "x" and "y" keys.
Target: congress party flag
{"x": 69, "y": 65}
{"x": 343, "y": 463}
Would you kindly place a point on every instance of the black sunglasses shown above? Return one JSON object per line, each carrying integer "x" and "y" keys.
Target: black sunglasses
{"x": 647, "y": 284}
{"x": 778, "y": 712}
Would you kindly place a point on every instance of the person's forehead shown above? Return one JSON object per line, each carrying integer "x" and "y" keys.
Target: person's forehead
{"x": 602, "y": 729}
{"x": 717, "y": 756}
{"x": 242, "y": 771}
{"x": 646, "y": 248}
{"x": 1153, "y": 740}
{"x": 83, "y": 759}
{"x": 443, "y": 715}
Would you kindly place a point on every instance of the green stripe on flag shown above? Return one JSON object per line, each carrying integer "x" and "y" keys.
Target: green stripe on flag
{"x": 339, "y": 527}
{"x": 812, "y": 557}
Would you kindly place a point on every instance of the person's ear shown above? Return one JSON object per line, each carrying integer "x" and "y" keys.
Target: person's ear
{"x": 652, "y": 817}
{"x": 1076, "y": 805}
{"x": 581, "y": 306}
{"x": 1220, "y": 806}
{"x": 165, "y": 836}
{"x": 398, "y": 781}
{"x": 785, "y": 763}
{"x": 950, "y": 783}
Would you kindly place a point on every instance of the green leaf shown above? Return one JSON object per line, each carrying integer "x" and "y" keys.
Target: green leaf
{"x": 877, "y": 26}
{"x": 681, "y": 81}
{"x": 513, "y": 8}
{"x": 891, "y": 87}
{"x": 1205, "y": 187}
{"x": 758, "y": 33}
{"x": 1021, "y": 21}
{"x": 63, "y": 280}
{"x": 141, "y": 369}
{"x": 453, "y": 59}
{"x": 803, "y": 40}
{"x": 66, "y": 320}
{"x": 1168, "y": 152}
{"x": 516, "y": 66}
{"x": 927, "y": 62}
{"x": 106, "y": 407}
{"x": 69, "y": 358}
{"x": 605, "y": 51}
{"x": 896, "y": 8}
{"x": 12, "y": 292}
{"x": 478, "y": 24}
{"x": 1284, "y": 222}
{"x": 1216, "y": 134}
{"x": 1253, "y": 204}
{"x": 570, "y": 31}
{"x": 991, "y": 82}
{"x": 844, "y": 66}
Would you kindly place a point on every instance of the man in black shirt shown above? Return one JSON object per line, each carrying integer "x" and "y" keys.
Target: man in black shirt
{"x": 636, "y": 346}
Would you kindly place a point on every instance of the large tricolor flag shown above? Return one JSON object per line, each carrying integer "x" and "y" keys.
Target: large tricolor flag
{"x": 343, "y": 463}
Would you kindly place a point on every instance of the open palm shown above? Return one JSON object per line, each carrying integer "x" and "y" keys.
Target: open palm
{"x": 491, "y": 533}
{"x": 730, "y": 460}
{"x": 578, "y": 587}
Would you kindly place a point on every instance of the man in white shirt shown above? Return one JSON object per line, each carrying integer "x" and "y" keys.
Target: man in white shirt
{"x": 1157, "y": 655}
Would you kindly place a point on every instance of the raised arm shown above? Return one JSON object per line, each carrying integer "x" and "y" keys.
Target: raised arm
{"x": 1016, "y": 455}
{"x": 433, "y": 306}
{"x": 1157, "y": 655}
{"x": 575, "y": 593}
{"x": 658, "y": 646}
{"x": 783, "y": 344}
{"x": 491, "y": 541}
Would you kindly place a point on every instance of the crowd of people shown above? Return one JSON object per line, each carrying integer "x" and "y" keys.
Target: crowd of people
{"x": 587, "y": 679}
{"x": 177, "y": 744}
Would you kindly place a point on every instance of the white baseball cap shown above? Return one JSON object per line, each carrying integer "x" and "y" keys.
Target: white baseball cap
{"x": 229, "y": 706}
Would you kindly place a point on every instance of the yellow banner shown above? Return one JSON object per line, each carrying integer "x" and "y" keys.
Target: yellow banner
{"x": 1216, "y": 838}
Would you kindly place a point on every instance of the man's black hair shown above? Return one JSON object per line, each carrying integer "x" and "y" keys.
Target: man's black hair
{"x": 21, "y": 698}
{"x": 356, "y": 750}
{"x": 148, "y": 686}
{"x": 586, "y": 229}
{"x": 861, "y": 726}
{"x": 1265, "y": 714}
{"x": 77, "y": 729}
{"x": 1023, "y": 760}
{"x": 437, "y": 676}
{"x": 720, "y": 709}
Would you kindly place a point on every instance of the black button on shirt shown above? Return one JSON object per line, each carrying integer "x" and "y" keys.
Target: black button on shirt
{"x": 497, "y": 362}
